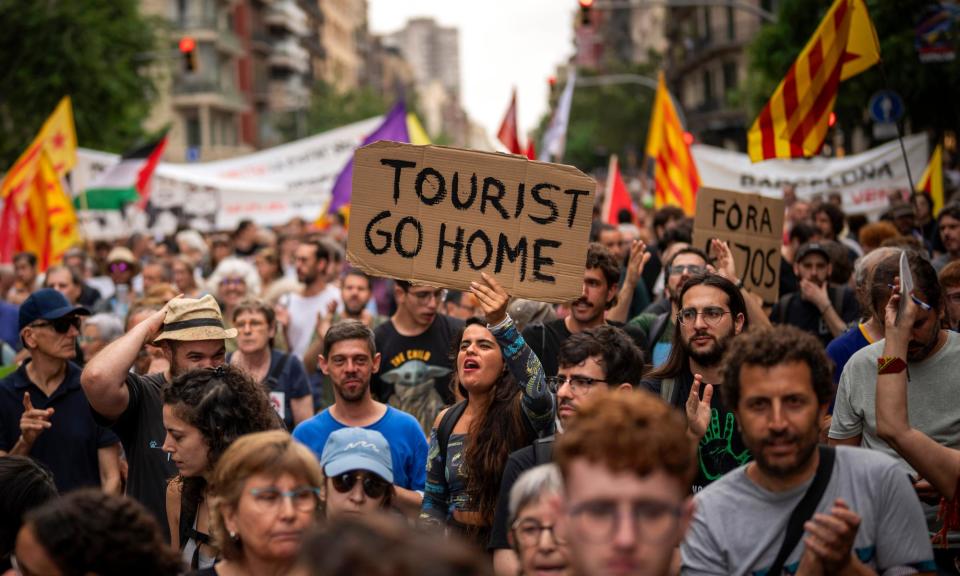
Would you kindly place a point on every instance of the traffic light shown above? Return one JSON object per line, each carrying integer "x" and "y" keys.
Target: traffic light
{"x": 585, "y": 6}
{"x": 188, "y": 47}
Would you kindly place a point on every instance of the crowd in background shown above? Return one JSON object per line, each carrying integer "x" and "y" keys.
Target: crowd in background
{"x": 246, "y": 403}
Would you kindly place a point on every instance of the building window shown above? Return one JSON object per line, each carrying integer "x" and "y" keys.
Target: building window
{"x": 707, "y": 89}
{"x": 729, "y": 76}
{"x": 731, "y": 24}
{"x": 707, "y": 24}
{"x": 193, "y": 131}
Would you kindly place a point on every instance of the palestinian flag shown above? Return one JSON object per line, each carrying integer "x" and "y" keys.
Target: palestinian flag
{"x": 126, "y": 182}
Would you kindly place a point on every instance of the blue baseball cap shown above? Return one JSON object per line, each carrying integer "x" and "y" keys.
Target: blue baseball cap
{"x": 47, "y": 304}
{"x": 350, "y": 449}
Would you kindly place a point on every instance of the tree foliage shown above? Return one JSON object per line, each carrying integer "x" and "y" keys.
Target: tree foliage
{"x": 931, "y": 91}
{"x": 95, "y": 51}
{"x": 331, "y": 108}
{"x": 607, "y": 120}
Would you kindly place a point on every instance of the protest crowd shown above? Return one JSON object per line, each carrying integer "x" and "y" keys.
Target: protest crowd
{"x": 249, "y": 403}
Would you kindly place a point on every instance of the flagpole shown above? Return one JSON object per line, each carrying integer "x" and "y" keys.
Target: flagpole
{"x": 903, "y": 148}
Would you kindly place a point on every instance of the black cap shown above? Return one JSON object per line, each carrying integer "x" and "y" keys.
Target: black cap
{"x": 47, "y": 304}
{"x": 810, "y": 248}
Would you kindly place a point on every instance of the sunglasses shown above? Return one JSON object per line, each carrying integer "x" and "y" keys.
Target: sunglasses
{"x": 373, "y": 486}
{"x": 119, "y": 267}
{"x": 61, "y": 325}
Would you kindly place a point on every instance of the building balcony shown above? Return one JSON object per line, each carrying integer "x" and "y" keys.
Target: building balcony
{"x": 286, "y": 15}
{"x": 289, "y": 55}
{"x": 290, "y": 94}
{"x": 313, "y": 46}
{"x": 189, "y": 92}
{"x": 312, "y": 9}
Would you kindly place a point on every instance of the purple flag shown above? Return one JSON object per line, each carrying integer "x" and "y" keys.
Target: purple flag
{"x": 394, "y": 128}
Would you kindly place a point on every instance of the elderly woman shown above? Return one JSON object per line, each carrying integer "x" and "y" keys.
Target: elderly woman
{"x": 233, "y": 281}
{"x": 184, "y": 277}
{"x": 264, "y": 495}
{"x": 204, "y": 411}
{"x": 532, "y": 522}
{"x": 281, "y": 373}
{"x": 358, "y": 472}
{"x": 98, "y": 331}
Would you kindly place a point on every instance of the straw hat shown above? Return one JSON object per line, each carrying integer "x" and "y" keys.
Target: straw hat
{"x": 189, "y": 319}
{"x": 121, "y": 254}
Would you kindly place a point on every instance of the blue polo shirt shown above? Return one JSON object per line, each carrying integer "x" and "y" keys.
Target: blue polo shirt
{"x": 69, "y": 447}
{"x": 408, "y": 445}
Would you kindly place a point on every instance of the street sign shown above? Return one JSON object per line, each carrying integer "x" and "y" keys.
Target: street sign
{"x": 884, "y": 130}
{"x": 886, "y": 106}
{"x": 193, "y": 154}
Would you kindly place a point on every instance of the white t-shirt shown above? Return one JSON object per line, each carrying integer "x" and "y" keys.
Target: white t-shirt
{"x": 303, "y": 317}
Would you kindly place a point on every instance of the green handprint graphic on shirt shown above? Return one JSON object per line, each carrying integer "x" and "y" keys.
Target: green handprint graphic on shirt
{"x": 717, "y": 455}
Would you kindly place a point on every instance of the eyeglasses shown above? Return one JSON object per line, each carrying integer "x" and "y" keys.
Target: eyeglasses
{"x": 579, "y": 385}
{"x": 598, "y": 521}
{"x": 232, "y": 282}
{"x": 303, "y": 498}
{"x": 711, "y": 315}
{"x": 954, "y": 297}
{"x": 61, "y": 325}
{"x": 424, "y": 297}
{"x": 119, "y": 267}
{"x": 529, "y": 532}
{"x": 679, "y": 269}
{"x": 373, "y": 486}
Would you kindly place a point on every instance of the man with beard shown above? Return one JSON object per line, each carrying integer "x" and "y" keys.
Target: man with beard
{"x": 659, "y": 326}
{"x": 948, "y": 221}
{"x": 312, "y": 260}
{"x": 600, "y": 285}
{"x": 867, "y": 519}
{"x": 932, "y": 362}
{"x": 191, "y": 335}
{"x": 817, "y": 307}
{"x": 350, "y": 359}
{"x": 711, "y": 312}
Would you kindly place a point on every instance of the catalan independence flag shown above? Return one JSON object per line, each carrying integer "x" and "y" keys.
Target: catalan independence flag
{"x": 675, "y": 174}
{"x": 795, "y": 120}
{"x": 932, "y": 180}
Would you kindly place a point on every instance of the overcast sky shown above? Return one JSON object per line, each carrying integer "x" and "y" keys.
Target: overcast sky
{"x": 503, "y": 43}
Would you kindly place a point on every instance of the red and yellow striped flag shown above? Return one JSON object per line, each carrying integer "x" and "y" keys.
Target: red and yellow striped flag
{"x": 795, "y": 120}
{"x": 932, "y": 180}
{"x": 58, "y": 138}
{"x": 675, "y": 174}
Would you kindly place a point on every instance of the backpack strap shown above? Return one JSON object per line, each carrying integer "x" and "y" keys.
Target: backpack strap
{"x": 667, "y": 386}
{"x": 656, "y": 331}
{"x": 445, "y": 428}
{"x": 805, "y": 508}
{"x": 782, "y": 306}
{"x": 543, "y": 450}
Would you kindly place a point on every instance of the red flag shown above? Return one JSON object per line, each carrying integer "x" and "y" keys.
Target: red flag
{"x": 616, "y": 198}
{"x": 508, "y": 128}
{"x": 531, "y": 150}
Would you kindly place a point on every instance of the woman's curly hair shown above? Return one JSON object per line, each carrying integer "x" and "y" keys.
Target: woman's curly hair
{"x": 223, "y": 404}
{"x": 89, "y": 532}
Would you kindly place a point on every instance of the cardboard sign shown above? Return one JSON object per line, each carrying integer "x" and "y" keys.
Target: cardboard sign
{"x": 753, "y": 227}
{"x": 440, "y": 216}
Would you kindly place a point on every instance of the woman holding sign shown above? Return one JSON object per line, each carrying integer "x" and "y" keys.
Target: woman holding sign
{"x": 507, "y": 406}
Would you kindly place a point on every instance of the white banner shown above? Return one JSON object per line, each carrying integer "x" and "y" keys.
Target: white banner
{"x": 269, "y": 187}
{"x": 865, "y": 181}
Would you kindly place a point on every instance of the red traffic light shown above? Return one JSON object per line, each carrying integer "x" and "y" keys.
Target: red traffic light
{"x": 832, "y": 120}
{"x": 688, "y": 138}
{"x": 586, "y": 3}
{"x": 552, "y": 81}
{"x": 187, "y": 44}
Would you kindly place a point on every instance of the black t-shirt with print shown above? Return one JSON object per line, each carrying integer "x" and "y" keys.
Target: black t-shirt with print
{"x": 415, "y": 371}
{"x": 721, "y": 449}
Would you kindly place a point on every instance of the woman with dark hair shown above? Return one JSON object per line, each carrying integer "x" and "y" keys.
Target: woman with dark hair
{"x": 204, "y": 411}
{"x": 89, "y": 532}
{"x": 26, "y": 485}
{"x": 508, "y": 404}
